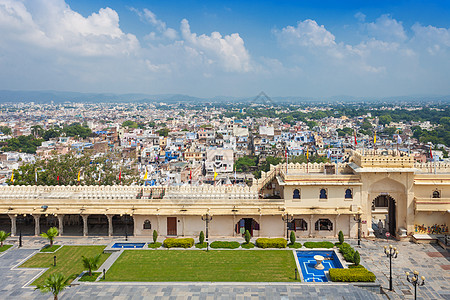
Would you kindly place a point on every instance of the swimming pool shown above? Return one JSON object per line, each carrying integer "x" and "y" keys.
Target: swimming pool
{"x": 124, "y": 245}
{"x": 307, "y": 262}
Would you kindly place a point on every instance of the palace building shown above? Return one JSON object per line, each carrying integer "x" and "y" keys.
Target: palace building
{"x": 383, "y": 191}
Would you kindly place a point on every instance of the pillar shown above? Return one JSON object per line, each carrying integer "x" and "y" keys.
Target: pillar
{"x": 60, "y": 224}
{"x": 13, "y": 225}
{"x": 184, "y": 224}
{"x": 110, "y": 225}
{"x": 310, "y": 225}
{"x": 134, "y": 226}
{"x": 158, "y": 228}
{"x": 85, "y": 224}
{"x": 260, "y": 226}
{"x": 234, "y": 225}
{"x": 37, "y": 228}
{"x": 335, "y": 224}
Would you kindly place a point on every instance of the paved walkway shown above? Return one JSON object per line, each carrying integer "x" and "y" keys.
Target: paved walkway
{"x": 429, "y": 260}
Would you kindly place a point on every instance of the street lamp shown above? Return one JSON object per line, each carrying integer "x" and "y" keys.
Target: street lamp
{"x": 357, "y": 218}
{"x": 390, "y": 252}
{"x": 287, "y": 218}
{"x": 414, "y": 280}
{"x": 207, "y": 218}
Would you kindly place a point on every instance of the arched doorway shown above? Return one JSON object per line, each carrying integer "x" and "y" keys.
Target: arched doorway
{"x": 244, "y": 224}
{"x": 384, "y": 208}
{"x": 25, "y": 225}
{"x": 73, "y": 225}
{"x": 47, "y": 221}
{"x": 97, "y": 225}
{"x": 122, "y": 225}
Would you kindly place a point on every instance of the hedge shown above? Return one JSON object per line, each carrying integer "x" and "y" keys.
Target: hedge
{"x": 224, "y": 244}
{"x": 271, "y": 243}
{"x": 359, "y": 274}
{"x": 295, "y": 245}
{"x": 247, "y": 246}
{"x": 179, "y": 243}
{"x": 154, "y": 245}
{"x": 318, "y": 245}
{"x": 347, "y": 251}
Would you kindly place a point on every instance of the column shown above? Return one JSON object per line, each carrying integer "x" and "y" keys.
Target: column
{"x": 260, "y": 225}
{"x": 13, "y": 225}
{"x": 234, "y": 225}
{"x": 110, "y": 225}
{"x": 335, "y": 224}
{"x": 60, "y": 224}
{"x": 184, "y": 224}
{"x": 134, "y": 226}
{"x": 85, "y": 224}
{"x": 310, "y": 225}
{"x": 158, "y": 228}
{"x": 37, "y": 228}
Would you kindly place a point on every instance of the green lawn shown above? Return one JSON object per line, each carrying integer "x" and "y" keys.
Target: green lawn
{"x": 50, "y": 249}
{"x": 216, "y": 265}
{"x": 5, "y": 247}
{"x": 68, "y": 261}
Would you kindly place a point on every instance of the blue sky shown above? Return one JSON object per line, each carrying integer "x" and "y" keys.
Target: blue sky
{"x": 235, "y": 48}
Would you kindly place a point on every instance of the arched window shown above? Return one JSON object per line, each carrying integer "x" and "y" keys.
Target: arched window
{"x": 348, "y": 194}
{"x": 299, "y": 224}
{"x": 436, "y": 194}
{"x": 147, "y": 224}
{"x": 324, "y": 224}
{"x": 296, "y": 194}
{"x": 323, "y": 194}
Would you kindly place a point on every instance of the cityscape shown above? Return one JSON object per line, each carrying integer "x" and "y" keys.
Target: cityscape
{"x": 300, "y": 152}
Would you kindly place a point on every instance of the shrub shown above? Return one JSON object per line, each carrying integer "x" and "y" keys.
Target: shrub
{"x": 318, "y": 245}
{"x": 347, "y": 251}
{"x": 247, "y": 237}
{"x": 356, "y": 258}
{"x": 224, "y": 244}
{"x": 179, "y": 243}
{"x": 247, "y": 245}
{"x": 271, "y": 243}
{"x": 341, "y": 237}
{"x": 200, "y": 245}
{"x": 155, "y": 236}
{"x": 352, "y": 275}
{"x": 154, "y": 245}
{"x": 292, "y": 238}
{"x": 201, "y": 237}
{"x": 295, "y": 245}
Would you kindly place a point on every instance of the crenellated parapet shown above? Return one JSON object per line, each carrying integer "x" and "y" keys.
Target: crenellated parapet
{"x": 382, "y": 159}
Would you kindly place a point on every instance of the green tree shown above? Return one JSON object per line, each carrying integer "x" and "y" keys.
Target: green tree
{"x": 356, "y": 258}
{"x": 155, "y": 236}
{"x": 23, "y": 143}
{"x": 130, "y": 124}
{"x": 54, "y": 284}
{"x": 91, "y": 262}
{"x": 390, "y": 130}
{"x": 201, "y": 237}
{"x": 163, "y": 132}
{"x": 247, "y": 236}
{"x": 243, "y": 164}
{"x": 3, "y": 237}
{"x": 50, "y": 235}
{"x": 341, "y": 237}
{"x": 292, "y": 237}
{"x": 385, "y": 120}
{"x": 5, "y": 130}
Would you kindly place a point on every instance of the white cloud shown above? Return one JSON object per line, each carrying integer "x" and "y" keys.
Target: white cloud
{"x": 360, "y": 16}
{"x": 307, "y": 33}
{"x": 229, "y": 51}
{"x": 148, "y": 16}
{"x": 387, "y": 29}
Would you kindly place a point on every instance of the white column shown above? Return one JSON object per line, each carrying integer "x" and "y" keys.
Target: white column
{"x": 37, "y": 228}
{"x": 335, "y": 224}
{"x": 260, "y": 225}
{"x": 110, "y": 225}
{"x": 310, "y": 225}
{"x": 234, "y": 225}
{"x": 85, "y": 224}
{"x": 134, "y": 226}
{"x": 13, "y": 225}
{"x": 60, "y": 224}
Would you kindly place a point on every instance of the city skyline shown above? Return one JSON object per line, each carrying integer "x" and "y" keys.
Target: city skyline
{"x": 375, "y": 49}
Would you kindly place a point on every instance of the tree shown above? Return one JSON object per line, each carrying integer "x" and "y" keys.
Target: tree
{"x": 50, "y": 235}
{"x": 5, "y": 130}
{"x": 201, "y": 237}
{"x": 292, "y": 238}
{"x": 385, "y": 120}
{"x": 341, "y": 237}
{"x": 356, "y": 258}
{"x": 3, "y": 237}
{"x": 247, "y": 236}
{"x": 163, "y": 132}
{"x": 243, "y": 164}
{"x": 54, "y": 284}
{"x": 155, "y": 236}
{"x": 91, "y": 263}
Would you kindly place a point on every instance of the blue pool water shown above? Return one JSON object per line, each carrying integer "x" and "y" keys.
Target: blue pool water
{"x": 307, "y": 262}
{"x": 128, "y": 245}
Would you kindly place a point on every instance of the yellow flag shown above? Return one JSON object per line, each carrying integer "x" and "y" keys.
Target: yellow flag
{"x": 12, "y": 176}
{"x": 78, "y": 179}
{"x": 307, "y": 153}
{"x": 146, "y": 174}
{"x": 215, "y": 174}
{"x": 375, "y": 138}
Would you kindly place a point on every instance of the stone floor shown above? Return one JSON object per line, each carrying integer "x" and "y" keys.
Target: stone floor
{"x": 429, "y": 260}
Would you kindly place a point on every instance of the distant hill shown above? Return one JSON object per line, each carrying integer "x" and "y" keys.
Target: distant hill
{"x": 7, "y": 96}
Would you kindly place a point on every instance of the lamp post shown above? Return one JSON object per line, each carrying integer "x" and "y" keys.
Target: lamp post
{"x": 287, "y": 218}
{"x": 126, "y": 227}
{"x": 357, "y": 218}
{"x": 390, "y": 252}
{"x": 414, "y": 280}
{"x": 20, "y": 239}
{"x": 207, "y": 218}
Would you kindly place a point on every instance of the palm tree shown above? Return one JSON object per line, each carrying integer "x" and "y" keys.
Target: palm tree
{"x": 51, "y": 233}
{"x": 91, "y": 263}
{"x": 54, "y": 284}
{"x": 3, "y": 237}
